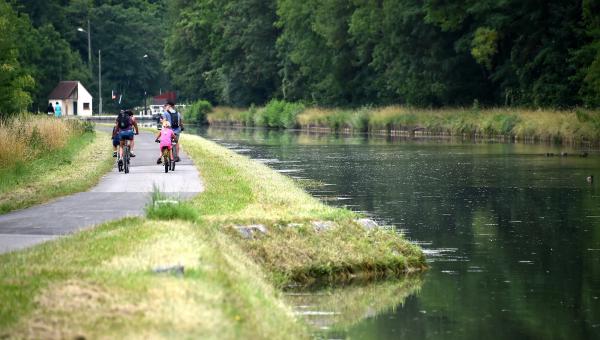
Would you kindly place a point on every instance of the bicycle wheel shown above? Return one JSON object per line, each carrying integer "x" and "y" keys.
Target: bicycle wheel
{"x": 167, "y": 159}
{"x": 126, "y": 159}
{"x": 173, "y": 165}
{"x": 119, "y": 161}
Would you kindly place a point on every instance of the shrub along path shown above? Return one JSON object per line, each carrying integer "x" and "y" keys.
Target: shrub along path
{"x": 117, "y": 195}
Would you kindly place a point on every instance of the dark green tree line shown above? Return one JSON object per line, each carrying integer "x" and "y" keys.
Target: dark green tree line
{"x": 354, "y": 52}
{"x": 328, "y": 52}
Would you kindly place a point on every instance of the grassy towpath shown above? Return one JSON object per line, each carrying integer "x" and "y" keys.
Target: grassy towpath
{"x": 115, "y": 196}
{"x": 121, "y": 279}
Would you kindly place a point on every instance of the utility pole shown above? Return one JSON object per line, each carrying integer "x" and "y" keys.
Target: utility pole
{"x": 146, "y": 89}
{"x": 89, "y": 36}
{"x": 100, "y": 82}
{"x": 89, "y": 47}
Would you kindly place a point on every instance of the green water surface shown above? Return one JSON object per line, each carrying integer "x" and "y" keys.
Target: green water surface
{"x": 512, "y": 235}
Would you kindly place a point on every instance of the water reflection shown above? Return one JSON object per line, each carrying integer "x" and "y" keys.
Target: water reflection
{"x": 333, "y": 311}
{"x": 512, "y": 236}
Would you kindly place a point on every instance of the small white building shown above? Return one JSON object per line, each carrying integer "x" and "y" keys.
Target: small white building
{"x": 73, "y": 98}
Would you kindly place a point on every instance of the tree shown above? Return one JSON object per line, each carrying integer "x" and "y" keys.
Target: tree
{"x": 225, "y": 50}
{"x": 587, "y": 57}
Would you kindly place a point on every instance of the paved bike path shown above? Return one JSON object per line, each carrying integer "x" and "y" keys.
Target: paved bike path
{"x": 117, "y": 195}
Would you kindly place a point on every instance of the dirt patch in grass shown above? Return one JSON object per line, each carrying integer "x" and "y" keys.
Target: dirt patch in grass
{"x": 70, "y": 309}
{"x": 173, "y": 244}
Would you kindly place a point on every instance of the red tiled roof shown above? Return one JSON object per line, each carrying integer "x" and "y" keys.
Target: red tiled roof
{"x": 164, "y": 98}
{"x": 63, "y": 90}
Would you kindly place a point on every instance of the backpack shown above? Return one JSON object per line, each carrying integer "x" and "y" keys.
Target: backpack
{"x": 123, "y": 121}
{"x": 175, "y": 120}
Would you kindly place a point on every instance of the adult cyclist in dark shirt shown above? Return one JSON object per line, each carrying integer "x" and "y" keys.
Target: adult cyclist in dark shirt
{"x": 125, "y": 126}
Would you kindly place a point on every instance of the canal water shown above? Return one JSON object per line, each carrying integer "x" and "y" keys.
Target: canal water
{"x": 512, "y": 235}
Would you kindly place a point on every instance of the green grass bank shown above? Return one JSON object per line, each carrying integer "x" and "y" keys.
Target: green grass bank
{"x": 577, "y": 126}
{"x": 43, "y": 158}
{"x": 102, "y": 282}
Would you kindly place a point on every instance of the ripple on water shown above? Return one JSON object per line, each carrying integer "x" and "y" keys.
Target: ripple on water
{"x": 267, "y": 160}
{"x": 285, "y": 171}
{"x": 439, "y": 251}
{"x": 241, "y": 150}
{"x": 444, "y": 255}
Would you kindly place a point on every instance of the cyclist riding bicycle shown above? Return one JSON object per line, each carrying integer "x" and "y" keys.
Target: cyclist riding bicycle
{"x": 125, "y": 125}
{"x": 130, "y": 113}
{"x": 175, "y": 120}
{"x": 166, "y": 137}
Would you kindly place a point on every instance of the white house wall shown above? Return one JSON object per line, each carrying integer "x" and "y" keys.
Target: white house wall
{"x": 83, "y": 97}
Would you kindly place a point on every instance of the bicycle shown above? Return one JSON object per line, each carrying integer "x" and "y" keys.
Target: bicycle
{"x": 123, "y": 162}
{"x": 166, "y": 155}
{"x": 126, "y": 155}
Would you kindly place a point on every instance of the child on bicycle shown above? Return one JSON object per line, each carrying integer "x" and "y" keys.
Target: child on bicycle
{"x": 166, "y": 136}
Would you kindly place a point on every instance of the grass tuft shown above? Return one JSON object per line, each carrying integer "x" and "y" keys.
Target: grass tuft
{"x": 163, "y": 207}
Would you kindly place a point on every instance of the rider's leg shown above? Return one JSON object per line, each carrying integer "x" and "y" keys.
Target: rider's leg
{"x": 121, "y": 144}
{"x": 131, "y": 147}
{"x": 177, "y": 147}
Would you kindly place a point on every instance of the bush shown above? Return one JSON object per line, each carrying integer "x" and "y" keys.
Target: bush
{"x": 278, "y": 114}
{"x": 499, "y": 124}
{"x": 359, "y": 120}
{"x": 197, "y": 112}
{"x": 248, "y": 116}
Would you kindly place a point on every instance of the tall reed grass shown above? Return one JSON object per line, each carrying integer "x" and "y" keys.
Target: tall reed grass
{"x": 226, "y": 115}
{"x": 566, "y": 126}
{"x": 27, "y": 137}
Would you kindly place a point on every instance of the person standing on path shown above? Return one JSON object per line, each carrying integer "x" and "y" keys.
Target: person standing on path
{"x": 57, "y": 110}
{"x": 50, "y": 109}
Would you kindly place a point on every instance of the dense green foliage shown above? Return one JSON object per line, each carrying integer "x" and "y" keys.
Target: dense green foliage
{"x": 353, "y": 52}
{"x": 327, "y": 52}
{"x": 196, "y": 113}
{"x": 224, "y": 50}
{"x": 278, "y": 114}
